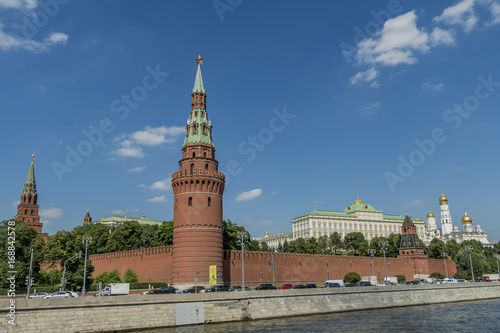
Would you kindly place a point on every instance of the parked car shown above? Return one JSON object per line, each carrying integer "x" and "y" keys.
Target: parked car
{"x": 364, "y": 284}
{"x": 179, "y": 291}
{"x": 73, "y": 293}
{"x": 239, "y": 288}
{"x": 286, "y": 286}
{"x": 383, "y": 284}
{"x": 194, "y": 289}
{"x": 311, "y": 285}
{"x": 217, "y": 289}
{"x": 162, "y": 290}
{"x": 482, "y": 280}
{"x": 147, "y": 291}
{"x": 265, "y": 286}
{"x": 38, "y": 295}
{"x": 461, "y": 281}
{"x": 350, "y": 285}
{"x": 299, "y": 286}
{"x": 60, "y": 294}
{"x": 332, "y": 285}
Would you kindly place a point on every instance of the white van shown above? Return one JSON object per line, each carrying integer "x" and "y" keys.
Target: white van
{"x": 341, "y": 282}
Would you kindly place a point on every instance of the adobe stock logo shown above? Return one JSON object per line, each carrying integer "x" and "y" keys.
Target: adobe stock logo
{"x": 454, "y": 117}
{"x": 45, "y": 11}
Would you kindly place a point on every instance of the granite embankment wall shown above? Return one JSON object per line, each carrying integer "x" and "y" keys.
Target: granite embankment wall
{"x": 106, "y": 314}
{"x": 155, "y": 265}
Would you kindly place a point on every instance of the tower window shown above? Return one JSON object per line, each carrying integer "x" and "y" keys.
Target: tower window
{"x": 190, "y": 201}
{"x": 204, "y": 155}
{"x": 209, "y": 202}
{"x": 194, "y": 154}
{"x": 206, "y": 166}
{"x": 192, "y": 168}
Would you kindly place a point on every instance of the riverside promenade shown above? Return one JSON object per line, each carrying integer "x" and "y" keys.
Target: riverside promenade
{"x": 106, "y": 314}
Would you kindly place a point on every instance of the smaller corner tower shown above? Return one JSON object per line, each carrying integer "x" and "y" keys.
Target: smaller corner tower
{"x": 410, "y": 247}
{"x": 87, "y": 219}
{"x": 27, "y": 210}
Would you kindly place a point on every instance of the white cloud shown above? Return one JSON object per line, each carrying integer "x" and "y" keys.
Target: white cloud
{"x": 56, "y": 38}
{"x": 149, "y": 136}
{"x": 495, "y": 12}
{"x": 51, "y": 213}
{"x": 18, "y": 4}
{"x": 46, "y": 222}
{"x": 395, "y": 43}
{"x": 123, "y": 212}
{"x": 162, "y": 185}
{"x": 415, "y": 202}
{"x": 432, "y": 85}
{"x": 439, "y": 36}
{"x": 462, "y": 14}
{"x": 369, "y": 108}
{"x": 249, "y": 195}
{"x": 137, "y": 169}
{"x": 366, "y": 76}
{"x": 158, "y": 199}
{"x": 130, "y": 152}
{"x": 9, "y": 42}
{"x": 143, "y": 185}
{"x": 15, "y": 203}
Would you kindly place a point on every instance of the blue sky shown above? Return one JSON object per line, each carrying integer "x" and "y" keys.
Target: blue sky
{"x": 306, "y": 100}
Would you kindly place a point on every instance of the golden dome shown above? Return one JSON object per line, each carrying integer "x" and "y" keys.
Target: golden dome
{"x": 266, "y": 234}
{"x": 443, "y": 200}
{"x": 466, "y": 218}
{"x": 358, "y": 202}
{"x": 430, "y": 214}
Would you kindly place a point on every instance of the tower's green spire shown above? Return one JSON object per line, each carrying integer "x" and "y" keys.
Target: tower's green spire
{"x": 198, "y": 83}
{"x": 30, "y": 185}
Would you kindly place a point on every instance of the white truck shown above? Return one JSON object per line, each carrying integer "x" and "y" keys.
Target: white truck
{"x": 371, "y": 279}
{"x": 391, "y": 279}
{"x": 341, "y": 282}
{"x": 115, "y": 289}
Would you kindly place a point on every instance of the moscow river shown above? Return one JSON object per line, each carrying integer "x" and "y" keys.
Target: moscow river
{"x": 478, "y": 316}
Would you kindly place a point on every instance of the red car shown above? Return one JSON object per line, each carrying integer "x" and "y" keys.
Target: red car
{"x": 286, "y": 286}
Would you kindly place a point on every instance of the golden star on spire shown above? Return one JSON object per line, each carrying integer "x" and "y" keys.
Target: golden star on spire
{"x": 199, "y": 60}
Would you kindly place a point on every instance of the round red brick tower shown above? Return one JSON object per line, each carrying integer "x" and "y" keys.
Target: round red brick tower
{"x": 198, "y": 187}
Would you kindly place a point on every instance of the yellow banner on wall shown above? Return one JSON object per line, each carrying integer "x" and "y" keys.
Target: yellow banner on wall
{"x": 213, "y": 274}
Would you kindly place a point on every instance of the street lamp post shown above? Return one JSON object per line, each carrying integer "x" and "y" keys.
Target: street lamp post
{"x": 78, "y": 254}
{"x": 470, "y": 248}
{"x": 242, "y": 239}
{"x": 372, "y": 253}
{"x": 444, "y": 254}
{"x": 85, "y": 241}
{"x": 498, "y": 267}
{"x": 383, "y": 246}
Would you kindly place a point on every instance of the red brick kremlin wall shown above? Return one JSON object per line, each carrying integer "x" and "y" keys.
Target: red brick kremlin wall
{"x": 155, "y": 265}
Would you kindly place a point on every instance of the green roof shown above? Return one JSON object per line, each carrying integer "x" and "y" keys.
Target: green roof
{"x": 327, "y": 213}
{"x": 117, "y": 219}
{"x": 30, "y": 185}
{"x": 198, "y": 82}
{"x": 199, "y": 129}
{"x": 407, "y": 221}
{"x": 360, "y": 207}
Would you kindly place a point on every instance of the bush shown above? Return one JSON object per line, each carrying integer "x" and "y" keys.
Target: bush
{"x": 401, "y": 278}
{"x": 352, "y": 277}
{"x": 437, "y": 275}
{"x": 129, "y": 276}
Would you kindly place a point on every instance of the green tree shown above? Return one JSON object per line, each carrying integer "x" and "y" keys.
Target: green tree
{"x": 401, "y": 278}
{"x": 114, "y": 276}
{"x": 129, "y": 276}
{"x": 230, "y": 235}
{"x": 336, "y": 242}
{"x": 102, "y": 278}
{"x": 436, "y": 248}
{"x": 479, "y": 263}
{"x": 74, "y": 274}
{"x": 264, "y": 247}
{"x": 452, "y": 247}
{"x": 252, "y": 245}
{"x": 352, "y": 277}
{"x": 51, "y": 277}
{"x": 437, "y": 275}
{"x": 165, "y": 234}
{"x": 312, "y": 246}
{"x": 324, "y": 244}
{"x": 126, "y": 236}
{"x": 356, "y": 244}
{"x": 16, "y": 239}
{"x": 298, "y": 246}
{"x": 149, "y": 235}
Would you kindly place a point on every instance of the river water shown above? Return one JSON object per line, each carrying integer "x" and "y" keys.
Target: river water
{"x": 477, "y": 316}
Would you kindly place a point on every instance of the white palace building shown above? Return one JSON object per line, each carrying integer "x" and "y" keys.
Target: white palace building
{"x": 360, "y": 217}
